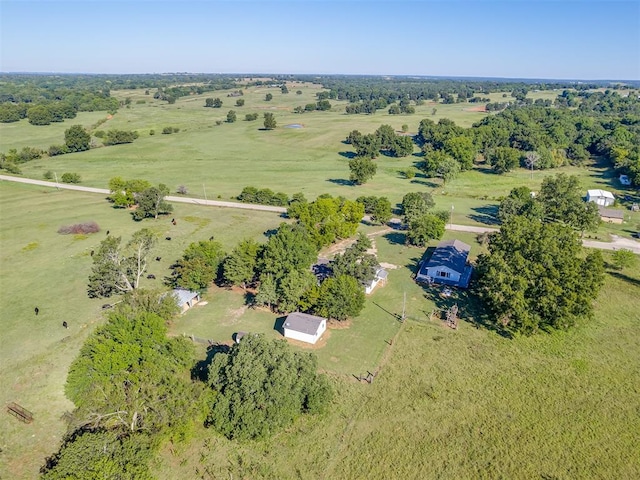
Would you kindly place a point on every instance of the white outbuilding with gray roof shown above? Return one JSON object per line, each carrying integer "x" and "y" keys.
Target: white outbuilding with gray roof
{"x": 304, "y": 327}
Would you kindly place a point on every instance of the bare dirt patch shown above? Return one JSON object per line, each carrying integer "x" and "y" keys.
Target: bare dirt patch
{"x": 480, "y": 108}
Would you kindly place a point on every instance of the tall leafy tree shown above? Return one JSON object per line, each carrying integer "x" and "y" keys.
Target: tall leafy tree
{"x": 561, "y": 197}
{"x": 240, "y": 265}
{"x": 416, "y": 204}
{"x": 520, "y": 202}
{"x": 424, "y": 228}
{"x": 340, "y": 297}
{"x": 198, "y": 266}
{"x": 77, "y": 139}
{"x": 269, "y": 121}
{"x": 263, "y": 386}
{"x": 536, "y": 276}
{"x": 151, "y": 203}
{"x": 362, "y": 170}
{"x": 503, "y": 159}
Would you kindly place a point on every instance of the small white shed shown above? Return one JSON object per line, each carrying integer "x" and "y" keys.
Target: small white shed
{"x": 304, "y": 327}
{"x": 186, "y": 298}
{"x": 380, "y": 278}
{"x": 600, "y": 197}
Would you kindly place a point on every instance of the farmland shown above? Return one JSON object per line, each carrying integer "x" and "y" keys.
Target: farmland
{"x": 445, "y": 404}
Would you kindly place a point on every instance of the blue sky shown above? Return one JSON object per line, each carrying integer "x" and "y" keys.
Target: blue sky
{"x": 570, "y": 39}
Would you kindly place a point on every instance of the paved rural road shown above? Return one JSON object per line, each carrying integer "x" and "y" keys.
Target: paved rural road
{"x": 617, "y": 243}
{"x": 104, "y": 191}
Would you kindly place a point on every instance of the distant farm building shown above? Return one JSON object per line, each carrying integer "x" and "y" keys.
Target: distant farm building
{"x": 186, "y": 298}
{"x": 600, "y": 197}
{"x": 379, "y": 279}
{"x": 447, "y": 265}
{"x": 610, "y": 215}
{"x": 303, "y": 327}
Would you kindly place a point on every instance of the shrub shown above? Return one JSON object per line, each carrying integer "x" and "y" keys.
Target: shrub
{"x": 57, "y": 150}
{"x": 79, "y": 228}
{"x": 152, "y": 132}
{"x": 48, "y": 175}
{"x": 182, "y": 190}
{"x": 70, "y": 177}
{"x": 250, "y": 117}
{"x": 99, "y": 134}
{"x": 167, "y": 130}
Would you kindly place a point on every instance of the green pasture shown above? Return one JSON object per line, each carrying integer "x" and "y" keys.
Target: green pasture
{"x": 45, "y": 269}
{"x": 460, "y": 404}
{"x": 220, "y": 160}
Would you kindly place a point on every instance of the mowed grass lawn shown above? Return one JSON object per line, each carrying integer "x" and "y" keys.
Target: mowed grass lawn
{"x": 464, "y": 404}
{"x": 45, "y": 269}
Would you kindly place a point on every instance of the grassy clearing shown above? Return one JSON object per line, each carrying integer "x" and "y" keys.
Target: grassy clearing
{"x": 464, "y": 404}
{"x": 42, "y": 268}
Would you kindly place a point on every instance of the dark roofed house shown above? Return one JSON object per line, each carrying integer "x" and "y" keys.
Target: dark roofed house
{"x": 447, "y": 265}
{"x": 304, "y": 327}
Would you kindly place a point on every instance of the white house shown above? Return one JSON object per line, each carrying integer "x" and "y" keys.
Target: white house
{"x": 186, "y": 298}
{"x": 624, "y": 180}
{"x": 600, "y": 197}
{"x": 381, "y": 277}
{"x": 303, "y": 327}
{"x": 447, "y": 265}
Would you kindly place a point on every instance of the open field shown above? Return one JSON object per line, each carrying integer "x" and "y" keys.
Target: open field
{"x": 44, "y": 269}
{"x": 462, "y": 404}
{"x": 218, "y": 161}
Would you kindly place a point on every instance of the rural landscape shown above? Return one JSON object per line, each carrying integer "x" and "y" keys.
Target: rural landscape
{"x": 401, "y": 393}
{"x": 316, "y": 276}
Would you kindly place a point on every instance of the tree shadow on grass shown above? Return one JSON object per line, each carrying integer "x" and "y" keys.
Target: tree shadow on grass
{"x": 200, "y": 370}
{"x": 470, "y": 308}
{"x": 341, "y": 181}
{"x": 349, "y": 155}
{"x": 426, "y": 183}
{"x": 395, "y": 238}
{"x": 625, "y": 278}
{"x": 487, "y": 214}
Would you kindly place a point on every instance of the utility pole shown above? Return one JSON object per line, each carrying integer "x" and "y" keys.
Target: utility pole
{"x": 205, "y": 192}
{"x": 404, "y": 308}
{"x": 57, "y": 185}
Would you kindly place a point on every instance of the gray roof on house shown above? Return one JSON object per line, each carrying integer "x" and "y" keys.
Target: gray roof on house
{"x": 611, "y": 213}
{"x": 303, "y": 323}
{"x": 382, "y": 274}
{"x": 184, "y": 296}
{"x": 449, "y": 253}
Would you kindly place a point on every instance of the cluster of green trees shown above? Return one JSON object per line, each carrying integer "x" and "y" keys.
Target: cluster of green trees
{"x": 378, "y": 208}
{"x": 263, "y": 196}
{"x": 117, "y": 137}
{"x": 9, "y": 161}
{"x": 320, "y": 105}
{"x": 560, "y": 200}
{"x": 328, "y": 218}
{"x": 213, "y": 102}
{"x": 134, "y": 388}
{"x": 536, "y": 275}
{"x": 384, "y": 140}
{"x": 262, "y": 386}
{"x": 148, "y": 200}
{"x": 422, "y": 224}
{"x": 200, "y": 265}
{"x": 76, "y": 139}
{"x": 536, "y": 137}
